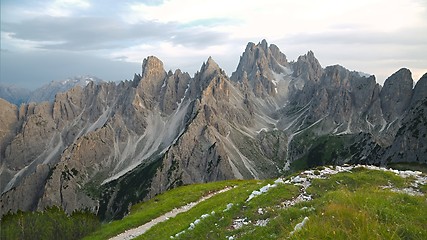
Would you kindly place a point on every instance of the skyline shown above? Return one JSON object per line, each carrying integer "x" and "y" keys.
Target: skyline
{"x": 43, "y": 41}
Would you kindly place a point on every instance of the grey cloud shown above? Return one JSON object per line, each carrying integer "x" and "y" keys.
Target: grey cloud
{"x": 91, "y": 33}
{"x": 121, "y": 58}
{"x": 35, "y": 68}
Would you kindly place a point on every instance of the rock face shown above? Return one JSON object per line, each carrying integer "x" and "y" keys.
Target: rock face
{"x": 8, "y": 128}
{"x": 396, "y": 94}
{"x": 410, "y": 144}
{"x": 259, "y": 64}
{"x": 106, "y": 146}
{"x": 8, "y": 122}
{"x": 308, "y": 67}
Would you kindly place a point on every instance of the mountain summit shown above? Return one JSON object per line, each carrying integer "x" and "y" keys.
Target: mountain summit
{"x": 107, "y": 146}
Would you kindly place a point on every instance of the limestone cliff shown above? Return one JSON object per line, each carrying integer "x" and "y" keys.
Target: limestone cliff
{"x": 107, "y": 146}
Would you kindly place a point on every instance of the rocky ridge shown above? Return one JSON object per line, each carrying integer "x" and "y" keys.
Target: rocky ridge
{"x": 107, "y": 146}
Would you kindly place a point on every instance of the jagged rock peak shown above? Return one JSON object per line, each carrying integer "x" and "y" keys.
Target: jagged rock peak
{"x": 396, "y": 94}
{"x": 152, "y": 79}
{"x": 263, "y": 45}
{"x": 403, "y": 73}
{"x": 270, "y": 50}
{"x": 152, "y": 65}
{"x": 401, "y": 78}
{"x": 278, "y": 55}
{"x": 308, "y": 67}
{"x": 211, "y": 63}
{"x": 209, "y": 67}
{"x": 308, "y": 57}
{"x": 260, "y": 59}
{"x": 250, "y": 46}
{"x": 420, "y": 90}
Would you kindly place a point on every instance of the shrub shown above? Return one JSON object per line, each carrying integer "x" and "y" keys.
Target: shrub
{"x": 53, "y": 223}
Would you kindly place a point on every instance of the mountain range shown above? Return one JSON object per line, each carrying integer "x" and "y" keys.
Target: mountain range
{"x": 47, "y": 92}
{"x": 107, "y": 146}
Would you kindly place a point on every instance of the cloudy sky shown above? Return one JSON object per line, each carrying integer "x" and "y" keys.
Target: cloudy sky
{"x": 43, "y": 41}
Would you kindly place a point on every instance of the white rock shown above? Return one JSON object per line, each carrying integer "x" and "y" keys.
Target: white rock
{"x": 262, "y": 223}
{"x": 299, "y": 226}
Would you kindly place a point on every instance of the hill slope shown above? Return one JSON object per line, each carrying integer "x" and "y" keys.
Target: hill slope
{"x": 352, "y": 202}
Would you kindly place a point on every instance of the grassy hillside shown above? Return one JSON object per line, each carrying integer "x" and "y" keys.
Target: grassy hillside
{"x": 358, "y": 203}
{"x": 144, "y": 212}
{"x": 324, "y": 203}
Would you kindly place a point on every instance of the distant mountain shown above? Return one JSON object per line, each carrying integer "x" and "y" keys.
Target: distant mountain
{"x": 14, "y": 94}
{"x": 46, "y": 92}
{"x": 108, "y": 146}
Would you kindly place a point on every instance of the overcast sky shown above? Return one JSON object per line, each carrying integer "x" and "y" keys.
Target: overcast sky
{"x": 43, "y": 41}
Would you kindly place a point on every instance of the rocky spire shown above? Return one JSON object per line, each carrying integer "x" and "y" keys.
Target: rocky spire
{"x": 152, "y": 78}
{"x": 308, "y": 67}
{"x": 209, "y": 67}
{"x": 396, "y": 94}
{"x": 278, "y": 55}
{"x": 258, "y": 63}
{"x": 260, "y": 58}
{"x": 420, "y": 90}
{"x": 409, "y": 143}
{"x": 152, "y": 68}
{"x": 264, "y": 45}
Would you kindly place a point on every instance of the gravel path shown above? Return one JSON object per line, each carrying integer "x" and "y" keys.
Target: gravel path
{"x": 135, "y": 232}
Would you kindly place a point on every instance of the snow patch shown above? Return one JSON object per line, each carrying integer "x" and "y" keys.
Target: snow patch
{"x": 164, "y": 83}
{"x": 287, "y": 70}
